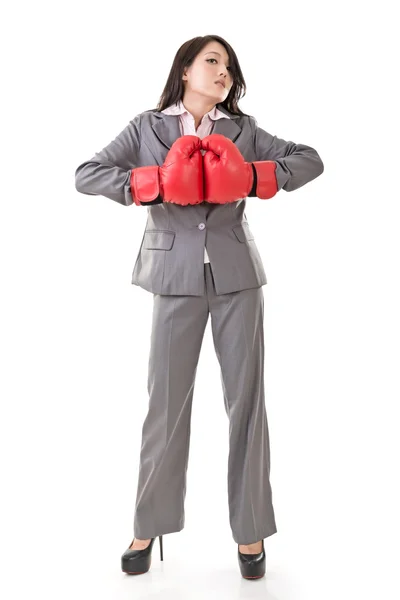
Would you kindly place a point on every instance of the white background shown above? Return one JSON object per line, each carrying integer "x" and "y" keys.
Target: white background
{"x": 75, "y": 333}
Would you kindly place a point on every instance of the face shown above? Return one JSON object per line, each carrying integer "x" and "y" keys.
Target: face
{"x": 209, "y": 66}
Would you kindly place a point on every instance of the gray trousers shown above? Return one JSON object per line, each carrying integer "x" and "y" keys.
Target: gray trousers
{"x": 178, "y": 326}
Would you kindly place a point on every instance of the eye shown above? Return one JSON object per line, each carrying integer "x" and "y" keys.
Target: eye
{"x": 230, "y": 68}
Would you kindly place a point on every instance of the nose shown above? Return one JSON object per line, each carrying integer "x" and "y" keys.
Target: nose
{"x": 224, "y": 73}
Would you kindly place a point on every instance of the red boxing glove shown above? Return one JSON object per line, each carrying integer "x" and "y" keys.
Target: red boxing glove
{"x": 227, "y": 176}
{"x": 179, "y": 180}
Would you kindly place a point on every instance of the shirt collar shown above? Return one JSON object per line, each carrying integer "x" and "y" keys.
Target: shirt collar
{"x": 179, "y": 108}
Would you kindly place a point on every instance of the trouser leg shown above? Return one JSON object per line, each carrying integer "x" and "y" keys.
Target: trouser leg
{"x": 178, "y": 327}
{"x": 238, "y": 334}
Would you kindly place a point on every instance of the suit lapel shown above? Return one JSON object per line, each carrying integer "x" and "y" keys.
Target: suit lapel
{"x": 167, "y": 128}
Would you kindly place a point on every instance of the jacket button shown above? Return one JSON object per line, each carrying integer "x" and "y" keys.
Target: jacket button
{"x": 201, "y": 226}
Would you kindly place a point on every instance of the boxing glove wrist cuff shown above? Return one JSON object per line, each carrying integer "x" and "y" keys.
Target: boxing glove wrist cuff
{"x": 145, "y": 185}
{"x": 264, "y": 184}
{"x": 158, "y": 200}
{"x": 253, "y": 191}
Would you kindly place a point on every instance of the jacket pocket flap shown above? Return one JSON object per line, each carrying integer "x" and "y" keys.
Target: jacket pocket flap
{"x": 158, "y": 239}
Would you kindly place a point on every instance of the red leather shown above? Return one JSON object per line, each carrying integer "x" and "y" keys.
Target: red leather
{"x": 179, "y": 180}
{"x": 145, "y": 185}
{"x": 267, "y": 185}
{"x": 227, "y": 176}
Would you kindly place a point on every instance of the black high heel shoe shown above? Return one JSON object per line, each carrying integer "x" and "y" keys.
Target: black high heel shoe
{"x": 135, "y": 562}
{"x": 252, "y": 566}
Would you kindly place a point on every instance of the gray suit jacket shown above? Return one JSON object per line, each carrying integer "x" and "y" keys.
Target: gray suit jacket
{"x": 171, "y": 255}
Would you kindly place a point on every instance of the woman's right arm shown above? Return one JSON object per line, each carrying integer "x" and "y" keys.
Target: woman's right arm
{"x": 108, "y": 172}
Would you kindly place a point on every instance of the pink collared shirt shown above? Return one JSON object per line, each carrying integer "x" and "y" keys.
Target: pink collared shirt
{"x": 187, "y": 127}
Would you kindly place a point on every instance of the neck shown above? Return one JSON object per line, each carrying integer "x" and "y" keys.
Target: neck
{"x": 197, "y": 107}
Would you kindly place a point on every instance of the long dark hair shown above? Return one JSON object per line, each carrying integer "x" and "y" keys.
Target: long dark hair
{"x": 174, "y": 88}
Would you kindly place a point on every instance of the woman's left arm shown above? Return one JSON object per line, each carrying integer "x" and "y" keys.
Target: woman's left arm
{"x": 296, "y": 164}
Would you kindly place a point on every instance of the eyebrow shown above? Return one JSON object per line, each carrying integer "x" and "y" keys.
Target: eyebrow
{"x": 212, "y": 52}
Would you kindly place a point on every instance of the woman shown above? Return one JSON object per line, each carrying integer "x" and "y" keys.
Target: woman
{"x": 192, "y": 161}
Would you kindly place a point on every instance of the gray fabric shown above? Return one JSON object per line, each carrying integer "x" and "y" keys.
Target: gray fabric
{"x": 178, "y": 327}
{"x": 170, "y": 260}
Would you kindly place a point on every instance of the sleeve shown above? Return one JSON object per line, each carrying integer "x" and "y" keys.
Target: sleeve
{"x": 296, "y": 164}
{"x": 108, "y": 172}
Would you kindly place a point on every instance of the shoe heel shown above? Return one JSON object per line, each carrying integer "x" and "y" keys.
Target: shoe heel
{"x": 252, "y": 566}
{"x": 135, "y": 562}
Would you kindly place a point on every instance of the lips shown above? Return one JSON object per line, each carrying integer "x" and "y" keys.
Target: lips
{"x": 221, "y": 83}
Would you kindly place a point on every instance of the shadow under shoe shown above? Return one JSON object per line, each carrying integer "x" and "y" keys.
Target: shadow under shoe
{"x": 252, "y": 566}
{"x": 135, "y": 561}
